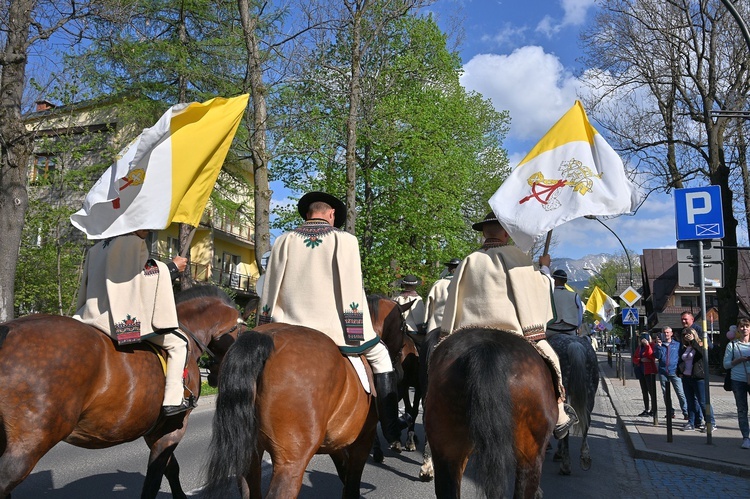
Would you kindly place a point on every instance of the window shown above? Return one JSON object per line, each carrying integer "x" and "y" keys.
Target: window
{"x": 173, "y": 245}
{"x": 42, "y": 165}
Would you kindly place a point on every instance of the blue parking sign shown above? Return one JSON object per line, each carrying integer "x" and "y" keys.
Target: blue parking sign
{"x": 698, "y": 213}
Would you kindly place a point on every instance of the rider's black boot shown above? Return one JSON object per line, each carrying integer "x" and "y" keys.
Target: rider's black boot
{"x": 387, "y": 405}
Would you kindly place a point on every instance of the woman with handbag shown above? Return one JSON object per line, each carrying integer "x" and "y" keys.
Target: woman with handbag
{"x": 692, "y": 369}
{"x": 736, "y": 358}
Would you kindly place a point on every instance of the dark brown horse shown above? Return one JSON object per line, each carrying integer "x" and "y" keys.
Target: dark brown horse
{"x": 288, "y": 391}
{"x": 65, "y": 381}
{"x": 489, "y": 395}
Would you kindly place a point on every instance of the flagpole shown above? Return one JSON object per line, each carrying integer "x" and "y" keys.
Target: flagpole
{"x": 547, "y": 242}
{"x": 189, "y": 240}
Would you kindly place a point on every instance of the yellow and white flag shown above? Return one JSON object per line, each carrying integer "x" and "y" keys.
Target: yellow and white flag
{"x": 601, "y": 305}
{"x": 571, "y": 172}
{"x": 166, "y": 174}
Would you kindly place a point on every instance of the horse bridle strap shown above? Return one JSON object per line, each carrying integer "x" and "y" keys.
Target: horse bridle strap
{"x": 203, "y": 347}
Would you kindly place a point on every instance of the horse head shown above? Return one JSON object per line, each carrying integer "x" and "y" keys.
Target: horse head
{"x": 389, "y": 323}
{"x": 209, "y": 317}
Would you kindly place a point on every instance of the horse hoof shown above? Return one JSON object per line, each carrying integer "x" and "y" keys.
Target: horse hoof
{"x": 586, "y": 464}
{"x": 564, "y": 472}
{"x": 378, "y": 456}
{"x": 425, "y": 477}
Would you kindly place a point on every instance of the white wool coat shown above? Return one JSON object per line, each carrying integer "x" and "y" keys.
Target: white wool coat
{"x": 435, "y": 304}
{"x": 415, "y": 316}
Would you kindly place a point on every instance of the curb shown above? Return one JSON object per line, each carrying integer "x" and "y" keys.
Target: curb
{"x": 639, "y": 450}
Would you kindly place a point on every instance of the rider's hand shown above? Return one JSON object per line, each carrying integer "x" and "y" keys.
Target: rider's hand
{"x": 180, "y": 262}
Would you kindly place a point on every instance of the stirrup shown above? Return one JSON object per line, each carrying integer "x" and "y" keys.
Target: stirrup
{"x": 561, "y": 430}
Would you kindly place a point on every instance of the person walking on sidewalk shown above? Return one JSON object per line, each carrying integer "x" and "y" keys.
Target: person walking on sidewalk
{"x": 668, "y": 372}
{"x": 645, "y": 369}
{"x": 693, "y": 371}
{"x": 737, "y": 358}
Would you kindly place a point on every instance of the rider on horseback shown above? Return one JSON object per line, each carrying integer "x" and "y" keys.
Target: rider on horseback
{"x": 568, "y": 308}
{"x": 314, "y": 279}
{"x": 129, "y": 296}
{"x": 435, "y": 304}
{"x": 497, "y": 286}
{"x": 415, "y": 316}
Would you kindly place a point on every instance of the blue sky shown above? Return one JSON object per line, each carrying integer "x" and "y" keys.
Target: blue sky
{"x": 524, "y": 57}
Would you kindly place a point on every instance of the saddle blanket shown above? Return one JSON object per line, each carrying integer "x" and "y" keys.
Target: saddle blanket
{"x": 359, "y": 366}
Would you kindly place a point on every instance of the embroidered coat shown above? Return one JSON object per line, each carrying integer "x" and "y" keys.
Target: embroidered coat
{"x": 497, "y": 286}
{"x": 314, "y": 279}
{"x": 123, "y": 292}
{"x": 415, "y": 316}
{"x": 436, "y": 302}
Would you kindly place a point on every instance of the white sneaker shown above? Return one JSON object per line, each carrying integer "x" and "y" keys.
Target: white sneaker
{"x": 745, "y": 443}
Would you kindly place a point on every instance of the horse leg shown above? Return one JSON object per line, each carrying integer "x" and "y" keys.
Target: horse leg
{"x": 172, "y": 472}
{"x": 426, "y": 471}
{"x": 585, "y": 453}
{"x": 250, "y": 484}
{"x": 564, "y": 450}
{"x": 377, "y": 451}
{"x": 528, "y": 478}
{"x": 448, "y": 474}
{"x": 160, "y": 463}
{"x": 14, "y": 469}
{"x": 350, "y": 463}
{"x": 413, "y": 412}
{"x": 286, "y": 480}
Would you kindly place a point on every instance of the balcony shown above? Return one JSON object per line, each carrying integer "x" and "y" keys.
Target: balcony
{"x": 243, "y": 284}
{"x": 242, "y": 230}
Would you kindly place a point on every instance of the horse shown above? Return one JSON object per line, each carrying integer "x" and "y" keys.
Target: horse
{"x": 580, "y": 371}
{"x": 492, "y": 396}
{"x": 63, "y": 380}
{"x": 287, "y": 390}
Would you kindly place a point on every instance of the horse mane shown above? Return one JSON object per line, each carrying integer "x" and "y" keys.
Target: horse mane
{"x": 4, "y": 330}
{"x": 373, "y": 304}
{"x": 203, "y": 291}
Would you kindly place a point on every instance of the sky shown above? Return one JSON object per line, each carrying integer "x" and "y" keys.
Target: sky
{"x": 524, "y": 57}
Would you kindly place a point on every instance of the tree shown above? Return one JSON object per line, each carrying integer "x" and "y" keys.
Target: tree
{"x": 663, "y": 68}
{"x": 429, "y": 153}
{"x": 26, "y": 23}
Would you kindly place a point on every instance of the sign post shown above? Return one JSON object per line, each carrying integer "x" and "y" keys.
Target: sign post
{"x": 698, "y": 216}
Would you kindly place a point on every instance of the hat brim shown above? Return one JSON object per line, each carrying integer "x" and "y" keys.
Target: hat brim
{"x": 479, "y": 226}
{"x": 339, "y": 218}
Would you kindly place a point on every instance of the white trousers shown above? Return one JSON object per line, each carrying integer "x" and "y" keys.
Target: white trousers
{"x": 378, "y": 357}
{"x": 176, "y": 348}
{"x": 545, "y": 347}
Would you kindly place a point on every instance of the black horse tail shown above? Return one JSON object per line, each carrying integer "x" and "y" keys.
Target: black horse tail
{"x": 578, "y": 385}
{"x": 235, "y": 429}
{"x": 490, "y": 415}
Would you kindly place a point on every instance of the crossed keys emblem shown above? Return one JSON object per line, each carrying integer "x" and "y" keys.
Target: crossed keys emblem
{"x": 134, "y": 177}
{"x": 545, "y": 190}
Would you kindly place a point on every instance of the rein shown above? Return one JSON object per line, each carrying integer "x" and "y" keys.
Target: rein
{"x": 203, "y": 347}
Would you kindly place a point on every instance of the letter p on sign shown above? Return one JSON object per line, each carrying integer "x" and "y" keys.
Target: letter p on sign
{"x": 697, "y": 203}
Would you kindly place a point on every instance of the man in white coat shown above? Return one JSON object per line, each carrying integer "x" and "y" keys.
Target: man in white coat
{"x": 415, "y": 315}
{"x": 314, "y": 279}
{"x": 497, "y": 286}
{"x": 435, "y": 304}
{"x": 128, "y": 296}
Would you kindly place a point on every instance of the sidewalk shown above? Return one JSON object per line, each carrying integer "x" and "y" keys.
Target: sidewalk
{"x": 689, "y": 448}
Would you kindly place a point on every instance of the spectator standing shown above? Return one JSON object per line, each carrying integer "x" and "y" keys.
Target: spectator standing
{"x": 668, "y": 372}
{"x": 692, "y": 368}
{"x": 645, "y": 370}
{"x": 736, "y": 358}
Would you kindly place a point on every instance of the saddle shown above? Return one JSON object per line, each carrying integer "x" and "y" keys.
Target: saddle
{"x": 364, "y": 372}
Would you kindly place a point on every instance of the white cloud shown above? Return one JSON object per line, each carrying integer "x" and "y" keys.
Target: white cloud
{"x": 530, "y": 83}
{"x": 507, "y": 36}
{"x": 574, "y": 14}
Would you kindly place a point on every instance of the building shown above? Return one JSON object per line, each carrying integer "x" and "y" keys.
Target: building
{"x": 84, "y": 137}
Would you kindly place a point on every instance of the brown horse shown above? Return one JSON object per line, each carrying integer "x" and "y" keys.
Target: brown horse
{"x": 489, "y": 395}
{"x": 288, "y": 391}
{"x": 65, "y": 381}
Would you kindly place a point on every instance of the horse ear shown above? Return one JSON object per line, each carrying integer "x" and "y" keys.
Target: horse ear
{"x": 406, "y": 306}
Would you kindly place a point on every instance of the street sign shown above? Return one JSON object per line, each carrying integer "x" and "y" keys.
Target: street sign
{"x": 688, "y": 275}
{"x": 630, "y": 296}
{"x": 630, "y": 316}
{"x": 698, "y": 213}
{"x": 688, "y": 251}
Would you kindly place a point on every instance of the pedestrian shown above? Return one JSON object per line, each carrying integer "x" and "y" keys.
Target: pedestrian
{"x": 645, "y": 372}
{"x": 415, "y": 315}
{"x": 568, "y": 308}
{"x": 435, "y": 305}
{"x": 498, "y": 287}
{"x": 314, "y": 279}
{"x": 668, "y": 372}
{"x": 128, "y": 295}
{"x": 736, "y": 358}
{"x": 692, "y": 369}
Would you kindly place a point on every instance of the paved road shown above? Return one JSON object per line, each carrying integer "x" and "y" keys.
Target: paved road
{"x": 69, "y": 472}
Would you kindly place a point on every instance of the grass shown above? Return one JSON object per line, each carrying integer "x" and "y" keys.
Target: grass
{"x": 208, "y": 390}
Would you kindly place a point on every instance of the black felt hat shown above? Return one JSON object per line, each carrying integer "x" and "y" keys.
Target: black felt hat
{"x": 454, "y": 262}
{"x": 311, "y": 197}
{"x": 410, "y": 280}
{"x": 488, "y": 218}
{"x": 560, "y": 274}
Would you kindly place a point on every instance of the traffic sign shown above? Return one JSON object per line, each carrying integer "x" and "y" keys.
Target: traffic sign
{"x": 630, "y": 316}
{"x": 688, "y": 275}
{"x": 689, "y": 251}
{"x": 630, "y": 296}
{"x": 698, "y": 213}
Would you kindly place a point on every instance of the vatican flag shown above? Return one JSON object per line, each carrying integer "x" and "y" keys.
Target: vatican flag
{"x": 166, "y": 174}
{"x": 601, "y": 305}
{"x": 570, "y": 173}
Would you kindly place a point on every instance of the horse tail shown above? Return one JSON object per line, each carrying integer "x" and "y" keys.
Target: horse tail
{"x": 577, "y": 389}
{"x": 233, "y": 445}
{"x": 490, "y": 415}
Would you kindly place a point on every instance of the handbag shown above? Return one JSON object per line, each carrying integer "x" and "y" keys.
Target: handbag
{"x": 728, "y": 375}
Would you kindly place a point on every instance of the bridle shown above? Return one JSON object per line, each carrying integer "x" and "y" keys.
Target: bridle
{"x": 203, "y": 347}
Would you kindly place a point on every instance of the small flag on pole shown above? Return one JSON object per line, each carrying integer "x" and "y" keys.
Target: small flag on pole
{"x": 570, "y": 173}
{"x": 166, "y": 174}
{"x": 601, "y": 305}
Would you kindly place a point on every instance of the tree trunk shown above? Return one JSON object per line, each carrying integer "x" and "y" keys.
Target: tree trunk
{"x": 15, "y": 149}
{"x": 256, "y": 122}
